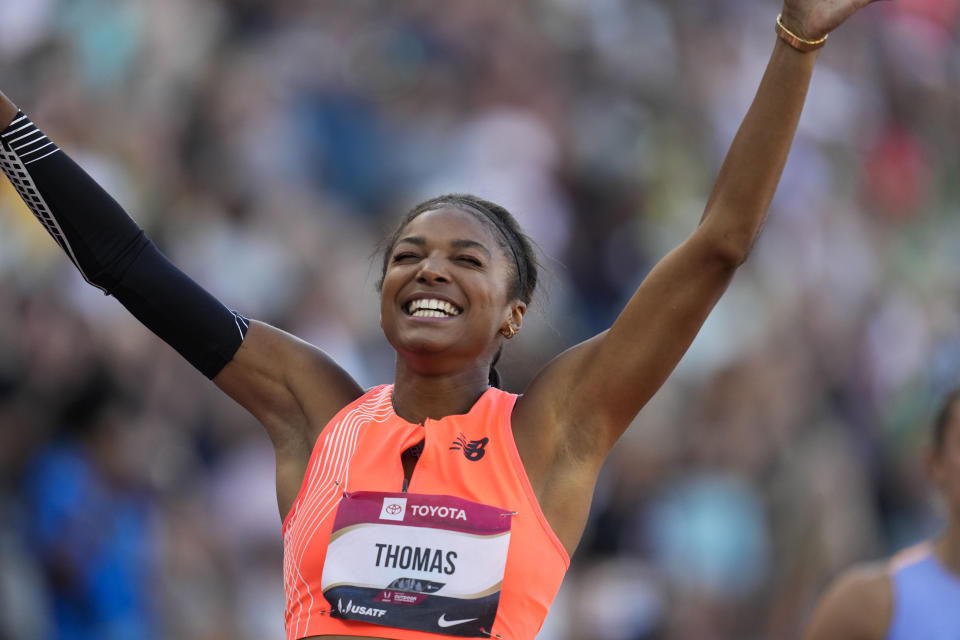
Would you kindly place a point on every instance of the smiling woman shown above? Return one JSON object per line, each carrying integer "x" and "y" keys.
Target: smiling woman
{"x": 477, "y": 239}
{"x": 438, "y": 504}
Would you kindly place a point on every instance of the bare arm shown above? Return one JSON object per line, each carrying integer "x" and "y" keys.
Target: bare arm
{"x": 857, "y": 606}
{"x": 579, "y": 405}
{"x": 605, "y": 381}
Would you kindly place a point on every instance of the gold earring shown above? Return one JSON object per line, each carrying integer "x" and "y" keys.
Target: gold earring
{"x": 509, "y": 332}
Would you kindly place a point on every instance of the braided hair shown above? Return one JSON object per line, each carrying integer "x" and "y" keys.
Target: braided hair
{"x": 508, "y": 233}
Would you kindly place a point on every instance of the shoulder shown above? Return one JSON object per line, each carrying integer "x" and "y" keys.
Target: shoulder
{"x": 840, "y": 613}
{"x": 868, "y": 584}
{"x": 271, "y": 357}
{"x": 911, "y": 556}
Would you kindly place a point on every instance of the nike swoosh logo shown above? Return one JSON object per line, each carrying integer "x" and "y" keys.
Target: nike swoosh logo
{"x": 443, "y": 622}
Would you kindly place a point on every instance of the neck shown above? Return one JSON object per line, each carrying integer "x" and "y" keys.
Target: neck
{"x": 417, "y": 397}
{"x": 948, "y": 546}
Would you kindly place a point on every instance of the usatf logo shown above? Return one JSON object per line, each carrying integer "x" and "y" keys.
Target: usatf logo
{"x": 473, "y": 450}
{"x": 359, "y": 610}
{"x": 393, "y": 509}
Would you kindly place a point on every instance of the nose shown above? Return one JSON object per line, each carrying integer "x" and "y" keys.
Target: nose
{"x": 431, "y": 271}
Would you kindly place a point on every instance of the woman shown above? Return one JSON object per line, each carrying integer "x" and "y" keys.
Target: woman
{"x": 914, "y": 594}
{"x": 437, "y": 504}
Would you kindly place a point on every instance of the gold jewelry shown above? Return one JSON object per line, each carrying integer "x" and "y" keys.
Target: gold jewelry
{"x": 509, "y": 332}
{"x": 796, "y": 41}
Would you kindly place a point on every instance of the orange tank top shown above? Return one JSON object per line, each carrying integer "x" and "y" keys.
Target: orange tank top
{"x": 468, "y": 457}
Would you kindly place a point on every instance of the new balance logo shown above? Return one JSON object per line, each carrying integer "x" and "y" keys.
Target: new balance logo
{"x": 473, "y": 450}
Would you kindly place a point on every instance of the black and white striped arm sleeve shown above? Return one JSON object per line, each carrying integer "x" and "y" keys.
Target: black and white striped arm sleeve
{"x": 112, "y": 252}
{"x": 22, "y": 144}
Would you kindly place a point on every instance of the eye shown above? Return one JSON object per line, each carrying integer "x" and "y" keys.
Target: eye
{"x": 405, "y": 256}
{"x": 469, "y": 260}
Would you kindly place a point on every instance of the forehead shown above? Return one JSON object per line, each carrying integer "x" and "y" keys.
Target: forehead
{"x": 447, "y": 224}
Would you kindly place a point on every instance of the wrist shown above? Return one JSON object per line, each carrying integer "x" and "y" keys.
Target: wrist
{"x": 797, "y": 26}
{"x": 797, "y": 39}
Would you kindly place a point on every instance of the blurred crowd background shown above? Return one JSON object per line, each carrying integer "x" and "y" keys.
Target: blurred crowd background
{"x": 268, "y": 147}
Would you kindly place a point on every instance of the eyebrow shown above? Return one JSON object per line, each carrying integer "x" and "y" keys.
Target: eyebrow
{"x": 459, "y": 243}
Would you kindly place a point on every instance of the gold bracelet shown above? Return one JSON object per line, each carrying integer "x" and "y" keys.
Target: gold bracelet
{"x": 796, "y": 41}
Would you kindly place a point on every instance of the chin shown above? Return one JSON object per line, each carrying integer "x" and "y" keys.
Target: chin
{"x": 435, "y": 351}
{"x": 424, "y": 347}
{"x": 419, "y": 343}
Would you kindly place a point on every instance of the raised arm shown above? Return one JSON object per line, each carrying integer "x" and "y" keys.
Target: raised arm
{"x": 584, "y": 400}
{"x": 290, "y": 386}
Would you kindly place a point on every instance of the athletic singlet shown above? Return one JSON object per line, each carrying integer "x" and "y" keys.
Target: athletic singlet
{"x": 925, "y": 597}
{"x": 468, "y": 492}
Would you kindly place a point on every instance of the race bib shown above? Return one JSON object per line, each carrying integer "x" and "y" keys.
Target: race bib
{"x": 422, "y": 562}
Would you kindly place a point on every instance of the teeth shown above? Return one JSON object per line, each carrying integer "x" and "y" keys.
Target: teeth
{"x": 431, "y": 308}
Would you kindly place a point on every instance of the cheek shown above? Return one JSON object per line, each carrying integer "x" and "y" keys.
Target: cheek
{"x": 498, "y": 286}
{"x": 489, "y": 300}
{"x": 388, "y": 309}
{"x": 389, "y": 287}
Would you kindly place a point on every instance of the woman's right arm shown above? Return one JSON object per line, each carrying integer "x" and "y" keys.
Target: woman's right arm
{"x": 287, "y": 384}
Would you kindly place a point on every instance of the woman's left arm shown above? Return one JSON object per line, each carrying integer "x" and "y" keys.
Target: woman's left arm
{"x": 586, "y": 398}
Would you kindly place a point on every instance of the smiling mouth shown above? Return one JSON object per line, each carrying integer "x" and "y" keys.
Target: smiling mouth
{"x": 431, "y": 308}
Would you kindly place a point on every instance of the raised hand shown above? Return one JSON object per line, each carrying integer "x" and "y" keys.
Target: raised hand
{"x": 813, "y": 19}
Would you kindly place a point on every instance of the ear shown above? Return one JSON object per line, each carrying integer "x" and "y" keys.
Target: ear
{"x": 517, "y": 309}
